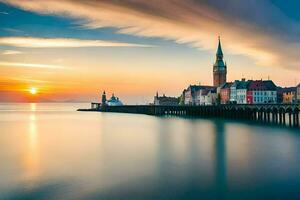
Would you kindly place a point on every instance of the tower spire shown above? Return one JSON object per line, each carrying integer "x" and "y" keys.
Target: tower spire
{"x": 219, "y": 50}
{"x": 219, "y": 68}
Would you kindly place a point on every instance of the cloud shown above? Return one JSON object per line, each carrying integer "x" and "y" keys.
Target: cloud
{"x": 11, "y": 52}
{"x": 3, "y": 13}
{"x": 13, "y": 30}
{"x": 37, "y": 81}
{"x": 30, "y": 80}
{"x": 256, "y": 29}
{"x": 34, "y": 42}
{"x": 30, "y": 65}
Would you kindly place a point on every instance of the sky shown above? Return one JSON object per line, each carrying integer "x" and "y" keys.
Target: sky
{"x": 73, "y": 50}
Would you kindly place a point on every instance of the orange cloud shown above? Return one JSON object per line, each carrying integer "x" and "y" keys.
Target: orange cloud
{"x": 33, "y": 42}
{"x": 30, "y": 65}
{"x": 189, "y": 22}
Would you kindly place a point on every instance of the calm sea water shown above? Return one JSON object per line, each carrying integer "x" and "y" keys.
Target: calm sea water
{"x": 50, "y": 151}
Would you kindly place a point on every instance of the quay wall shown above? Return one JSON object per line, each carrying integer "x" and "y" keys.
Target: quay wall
{"x": 283, "y": 114}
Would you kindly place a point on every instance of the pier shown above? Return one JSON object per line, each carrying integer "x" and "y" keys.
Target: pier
{"x": 281, "y": 114}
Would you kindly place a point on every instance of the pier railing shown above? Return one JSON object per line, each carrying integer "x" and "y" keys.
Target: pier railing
{"x": 284, "y": 114}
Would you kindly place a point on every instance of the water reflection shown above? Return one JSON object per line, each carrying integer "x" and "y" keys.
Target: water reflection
{"x": 33, "y": 107}
{"x": 73, "y": 155}
{"x": 220, "y": 159}
{"x": 201, "y": 170}
{"x": 31, "y": 170}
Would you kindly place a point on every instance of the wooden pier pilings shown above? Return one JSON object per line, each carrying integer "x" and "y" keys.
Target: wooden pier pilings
{"x": 282, "y": 114}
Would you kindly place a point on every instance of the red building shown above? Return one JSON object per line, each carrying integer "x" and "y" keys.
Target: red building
{"x": 261, "y": 92}
{"x": 225, "y": 93}
{"x": 249, "y": 97}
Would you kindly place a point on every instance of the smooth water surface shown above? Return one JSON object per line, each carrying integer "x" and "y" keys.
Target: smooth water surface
{"x": 50, "y": 151}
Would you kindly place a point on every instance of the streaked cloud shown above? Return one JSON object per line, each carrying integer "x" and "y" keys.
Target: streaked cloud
{"x": 11, "y": 52}
{"x": 34, "y": 42}
{"x": 32, "y": 80}
{"x": 30, "y": 65}
{"x": 13, "y": 30}
{"x": 28, "y": 80}
{"x": 196, "y": 23}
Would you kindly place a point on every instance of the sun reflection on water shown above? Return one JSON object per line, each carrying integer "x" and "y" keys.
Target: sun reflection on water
{"x": 32, "y": 152}
{"x": 32, "y": 106}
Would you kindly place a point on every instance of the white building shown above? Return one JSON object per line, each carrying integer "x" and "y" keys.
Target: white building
{"x": 114, "y": 101}
{"x": 238, "y": 92}
{"x": 233, "y": 92}
{"x": 241, "y": 92}
{"x": 241, "y": 96}
{"x": 197, "y": 95}
{"x": 210, "y": 98}
{"x": 189, "y": 95}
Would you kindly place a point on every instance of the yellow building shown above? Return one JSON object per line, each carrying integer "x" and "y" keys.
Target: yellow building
{"x": 289, "y": 95}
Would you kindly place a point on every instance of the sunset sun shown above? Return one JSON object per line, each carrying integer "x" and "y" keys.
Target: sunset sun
{"x": 33, "y": 90}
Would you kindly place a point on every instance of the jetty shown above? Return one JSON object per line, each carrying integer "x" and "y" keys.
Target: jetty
{"x": 281, "y": 114}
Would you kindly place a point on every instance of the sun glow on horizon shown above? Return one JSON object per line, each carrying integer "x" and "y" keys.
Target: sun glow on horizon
{"x": 33, "y": 90}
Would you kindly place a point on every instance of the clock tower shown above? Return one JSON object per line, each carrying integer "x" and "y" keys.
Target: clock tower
{"x": 220, "y": 68}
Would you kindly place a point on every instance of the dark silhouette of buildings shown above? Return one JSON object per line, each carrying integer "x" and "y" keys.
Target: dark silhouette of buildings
{"x": 165, "y": 101}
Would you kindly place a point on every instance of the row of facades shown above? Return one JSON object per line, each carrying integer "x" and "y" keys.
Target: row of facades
{"x": 241, "y": 92}
{"x": 237, "y": 92}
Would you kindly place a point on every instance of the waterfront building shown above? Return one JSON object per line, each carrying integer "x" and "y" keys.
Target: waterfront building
{"x": 238, "y": 92}
{"x": 233, "y": 92}
{"x": 242, "y": 92}
{"x": 261, "y": 92}
{"x": 298, "y": 93}
{"x": 289, "y": 95}
{"x": 219, "y": 68}
{"x": 195, "y": 95}
{"x": 225, "y": 93}
{"x": 206, "y": 95}
{"x": 114, "y": 101}
{"x": 209, "y": 97}
{"x": 165, "y": 101}
{"x": 189, "y": 95}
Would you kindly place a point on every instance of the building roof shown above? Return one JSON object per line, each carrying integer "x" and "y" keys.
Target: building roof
{"x": 286, "y": 89}
{"x": 195, "y": 88}
{"x": 113, "y": 99}
{"x": 165, "y": 98}
{"x": 240, "y": 84}
{"x": 244, "y": 85}
{"x": 206, "y": 91}
{"x": 226, "y": 85}
{"x": 262, "y": 85}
